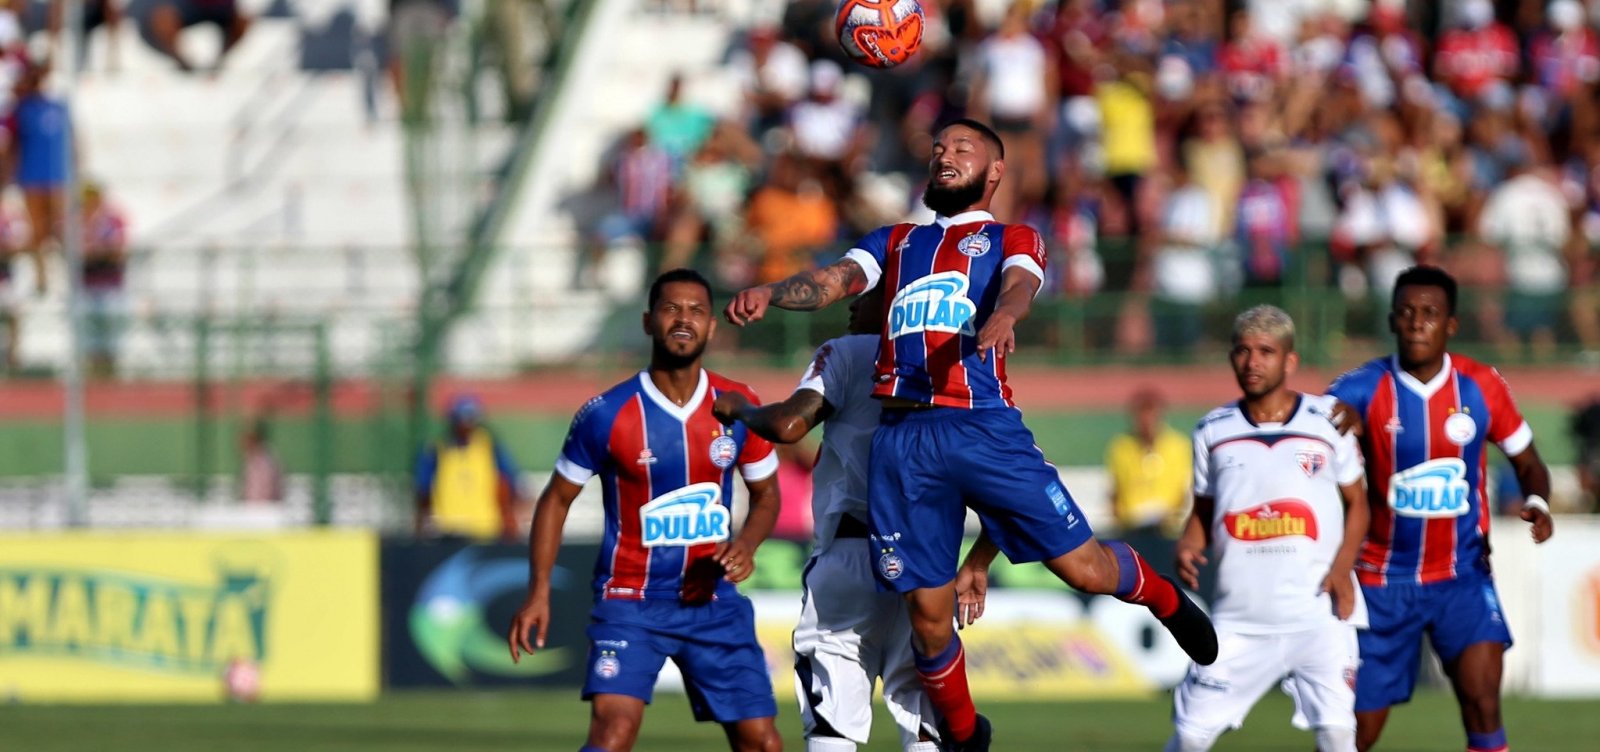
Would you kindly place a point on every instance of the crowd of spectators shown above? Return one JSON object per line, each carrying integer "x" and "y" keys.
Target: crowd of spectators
{"x": 1179, "y": 150}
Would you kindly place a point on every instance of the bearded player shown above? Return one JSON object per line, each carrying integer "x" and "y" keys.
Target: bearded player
{"x": 1430, "y": 416}
{"x": 949, "y": 436}
{"x": 1280, "y": 504}
{"x": 664, "y": 581}
{"x": 850, "y": 634}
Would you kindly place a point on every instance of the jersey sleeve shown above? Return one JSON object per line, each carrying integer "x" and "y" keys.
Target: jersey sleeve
{"x": 1024, "y": 248}
{"x": 1507, "y": 428}
{"x": 584, "y": 451}
{"x": 1202, "y": 463}
{"x": 1348, "y": 464}
{"x": 828, "y": 372}
{"x": 758, "y": 459}
{"x": 871, "y": 253}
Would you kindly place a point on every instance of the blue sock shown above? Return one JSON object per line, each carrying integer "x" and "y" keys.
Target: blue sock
{"x": 933, "y": 664}
{"x": 1127, "y": 568}
{"x": 591, "y": 748}
{"x": 1494, "y": 741}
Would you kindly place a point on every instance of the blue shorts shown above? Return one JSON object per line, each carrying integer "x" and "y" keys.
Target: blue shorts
{"x": 714, "y": 645}
{"x": 929, "y": 465}
{"x": 1454, "y": 614}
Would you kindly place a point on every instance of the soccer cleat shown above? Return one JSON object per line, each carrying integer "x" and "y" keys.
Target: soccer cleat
{"x": 1192, "y": 629}
{"x": 982, "y": 733}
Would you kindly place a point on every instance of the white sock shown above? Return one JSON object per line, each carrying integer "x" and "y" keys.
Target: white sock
{"x": 1335, "y": 739}
{"x": 923, "y": 747}
{"x": 829, "y": 744}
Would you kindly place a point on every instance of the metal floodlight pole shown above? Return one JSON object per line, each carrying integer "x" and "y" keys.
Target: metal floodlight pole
{"x": 75, "y": 450}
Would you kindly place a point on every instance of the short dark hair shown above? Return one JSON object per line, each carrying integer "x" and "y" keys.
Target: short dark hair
{"x": 1426, "y": 276}
{"x": 989, "y": 136}
{"x": 677, "y": 275}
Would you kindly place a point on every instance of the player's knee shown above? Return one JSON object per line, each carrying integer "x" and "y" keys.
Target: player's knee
{"x": 764, "y": 740}
{"x": 1336, "y": 739}
{"x": 613, "y": 730}
{"x": 931, "y": 635}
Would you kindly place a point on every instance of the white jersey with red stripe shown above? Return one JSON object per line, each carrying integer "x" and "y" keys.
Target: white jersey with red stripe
{"x": 1427, "y": 449}
{"x": 1279, "y": 518}
{"x": 667, "y": 476}
{"x": 941, "y": 284}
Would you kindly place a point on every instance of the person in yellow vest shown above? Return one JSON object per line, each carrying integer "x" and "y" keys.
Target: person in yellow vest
{"x": 1150, "y": 470}
{"x": 466, "y": 482}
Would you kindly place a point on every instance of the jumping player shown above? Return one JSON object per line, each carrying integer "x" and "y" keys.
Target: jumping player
{"x": 1429, "y": 418}
{"x": 664, "y": 582}
{"x": 850, "y": 635}
{"x": 1279, "y": 501}
{"x": 949, "y": 435}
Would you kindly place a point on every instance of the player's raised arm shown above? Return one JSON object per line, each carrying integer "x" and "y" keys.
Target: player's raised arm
{"x": 807, "y": 291}
{"x": 549, "y": 518}
{"x": 783, "y": 422}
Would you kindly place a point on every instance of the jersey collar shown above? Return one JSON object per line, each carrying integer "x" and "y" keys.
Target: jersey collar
{"x": 681, "y": 413}
{"x": 1417, "y": 387}
{"x": 964, "y": 218}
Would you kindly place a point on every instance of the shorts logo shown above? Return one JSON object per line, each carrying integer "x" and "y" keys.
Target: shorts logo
{"x": 935, "y": 303}
{"x": 1063, "y": 503}
{"x": 1275, "y": 519}
{"x": 1433, "y": 489}
{"x": 685, "y": 517}
{"x": 1311, "y": 461}
{"x": 1493, "y": 603}
{"x": 723, "y": 451}
{"x": 1350, "y": 676}
{"x": 607, "y": 666}
{"x": 973, "y": 245}
{"x": 891, "y": 566}
{"x": 1460, "y": 429}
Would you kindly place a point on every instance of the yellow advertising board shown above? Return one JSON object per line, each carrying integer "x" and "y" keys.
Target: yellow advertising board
{"x": 137, "y": 616}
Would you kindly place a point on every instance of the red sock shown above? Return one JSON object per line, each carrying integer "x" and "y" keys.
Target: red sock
{"x": 1138, "y": 582}
{"x": 944, "y": 677}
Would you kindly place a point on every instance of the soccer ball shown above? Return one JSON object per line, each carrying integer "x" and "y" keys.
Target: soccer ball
{"x": 879, "y": 33}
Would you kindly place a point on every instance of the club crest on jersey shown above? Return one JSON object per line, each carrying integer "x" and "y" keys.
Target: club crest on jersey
{"x": 723, "y": 451}
{"x": 935, "y": 303}
{"x": 1311, "y": 461}
{"x": 1460, "y": 429}
{"x": 1433, "y": 489}
{"x": 1275, "y": 519}
{"x": 973, "y": 245}
{"x": 686, "y": 517}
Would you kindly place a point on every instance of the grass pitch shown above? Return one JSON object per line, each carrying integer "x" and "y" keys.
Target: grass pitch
{"x": 557, "y": 722}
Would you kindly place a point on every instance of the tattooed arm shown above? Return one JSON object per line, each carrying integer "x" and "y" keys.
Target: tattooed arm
{"x": 783, "y": 422}
{"x": 806, "y": 291}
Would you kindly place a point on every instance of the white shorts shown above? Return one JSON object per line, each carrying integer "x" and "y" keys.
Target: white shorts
{"x": 1318, "y": 666}
{"x": 849, "y": 636}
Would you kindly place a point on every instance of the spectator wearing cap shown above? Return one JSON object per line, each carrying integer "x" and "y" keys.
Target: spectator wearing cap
{"x": 466, "y": 482}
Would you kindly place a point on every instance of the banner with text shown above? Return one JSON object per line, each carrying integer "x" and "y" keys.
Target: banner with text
{"x": 138, "y": 616}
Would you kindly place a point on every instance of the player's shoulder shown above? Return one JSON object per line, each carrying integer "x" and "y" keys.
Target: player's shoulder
{"x": 1473, "y": 368}
{"x": 605, "y": 405}
{"x": 852, "y": 346}
{"x": 1318, "y": 409}
{"x": 724, "y": 384}
{"x": 1217, "y": 418}
{"x": 1365, "y": 375}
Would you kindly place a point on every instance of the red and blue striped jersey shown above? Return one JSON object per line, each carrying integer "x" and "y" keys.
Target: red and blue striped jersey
{"x": 942, "y": 282}
{"x": 1427, "y": 449}
{"x": 666, "y": 475}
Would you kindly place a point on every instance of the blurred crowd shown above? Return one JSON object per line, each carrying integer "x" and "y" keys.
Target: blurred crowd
{"x": 1180, "y": 150}
{"x": 38, "y": 153}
